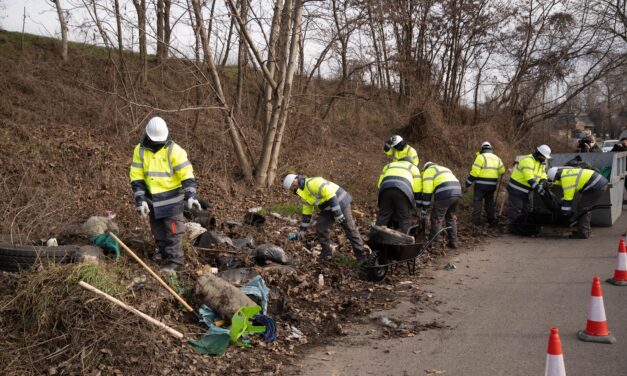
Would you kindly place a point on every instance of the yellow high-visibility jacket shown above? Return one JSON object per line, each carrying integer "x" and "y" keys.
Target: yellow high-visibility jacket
{"x": 404, "y": 176}
{"x": 526, "y": 176}
{"x": 408, "y": 153}
{"x": 440, "y": 182}
{"x": 575, "y": 180}
{"x": 164, "y": 178}
{"x": 320, "y": 193}
{"x": 486, "y": 171}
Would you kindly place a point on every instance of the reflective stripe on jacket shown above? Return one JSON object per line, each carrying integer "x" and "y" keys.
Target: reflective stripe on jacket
{"x": 485, "y": 171}
{"x": 164, "y": 178}
{"x": 526, "y": 176}
{"x": 322, "y": 194}
{"x": 404, "y": 176}
{"x": 407, "y": 153}
{"x": 440, "y": 181}
{"x": 575, "y": 180}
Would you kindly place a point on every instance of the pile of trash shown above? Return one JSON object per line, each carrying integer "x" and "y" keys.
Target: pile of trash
{"x": 247, "y": 283}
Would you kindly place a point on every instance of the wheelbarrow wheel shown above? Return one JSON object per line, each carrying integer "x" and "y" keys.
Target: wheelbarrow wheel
{"x": 374, "y": 270}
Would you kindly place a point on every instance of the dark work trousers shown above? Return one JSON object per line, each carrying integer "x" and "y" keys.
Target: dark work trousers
{"x": 168, "y": 234}
{"x": 395, "y": 210}
{"x": 481, "y": 199}
{"x": 586, "y": 202}
{"x": 516, "y": 208}
{"x": 324, "y": 223}
{"x": 444, "y": 211}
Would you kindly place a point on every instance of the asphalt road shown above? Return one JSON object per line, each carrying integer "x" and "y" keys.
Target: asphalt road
{"x": 499, "y": 305}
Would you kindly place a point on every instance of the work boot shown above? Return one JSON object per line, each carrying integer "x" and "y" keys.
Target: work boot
{"x": 576, "y": 235}
{"x": 452, "y": 245}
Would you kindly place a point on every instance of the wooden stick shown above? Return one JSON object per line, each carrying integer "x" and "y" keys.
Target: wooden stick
{"x": 137, "y": 312}
{"x": 153, "y": 274}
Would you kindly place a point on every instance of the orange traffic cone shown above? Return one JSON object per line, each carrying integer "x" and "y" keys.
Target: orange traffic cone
{"x": 554, "y": 356}
{"x": 620, "y": 273}
{"x": 596, "y": 327}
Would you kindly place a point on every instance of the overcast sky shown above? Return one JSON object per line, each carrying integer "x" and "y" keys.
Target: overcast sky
{"x": 40, "y": 16}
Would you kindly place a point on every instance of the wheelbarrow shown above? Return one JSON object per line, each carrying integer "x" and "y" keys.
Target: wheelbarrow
{"x": 387, "y": 254}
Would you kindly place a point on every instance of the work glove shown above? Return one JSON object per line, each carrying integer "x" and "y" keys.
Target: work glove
{"x": 468, "y": 184}
{"x": 193, "y": 203}
{"x": 340, "y": 219}
{"x": 540, "y": 189}
{"x": 143, "y": 209}
{"x": 423, "y": 214}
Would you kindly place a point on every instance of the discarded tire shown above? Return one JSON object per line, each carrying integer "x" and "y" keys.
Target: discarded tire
{"x": 384, "y": 235}
{"x": 15, "y": 258}
{"x": 374, "y": 269}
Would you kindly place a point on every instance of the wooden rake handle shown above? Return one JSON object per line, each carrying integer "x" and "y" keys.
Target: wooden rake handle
{"x": 152, "y": 273}
{"x": 135, "y": 311}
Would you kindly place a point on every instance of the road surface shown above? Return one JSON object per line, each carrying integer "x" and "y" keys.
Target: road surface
{"x": 498, "y": 306}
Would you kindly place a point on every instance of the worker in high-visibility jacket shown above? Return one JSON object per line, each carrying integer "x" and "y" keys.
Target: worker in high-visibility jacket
{"x": 484, "y": 174}
{"x": 400, "y": 188}
{"x": 334, "y": 204}
{"x": 398, "y": 149}
{"x": 528, "y": 175}
{"x": 589, "y": 183}
{"x": 439, "y": 183}
{"x": 162, "y": 179}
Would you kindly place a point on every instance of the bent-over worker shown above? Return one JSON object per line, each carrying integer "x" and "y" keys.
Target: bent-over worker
{"x": 162, "y": 179}
{"x": 527, "y": 175}
{"x": 400, "y": 188}
{"x": 590, "y": 183}
{"x": 334, "y": 204}
{"x": 440, "y": 183}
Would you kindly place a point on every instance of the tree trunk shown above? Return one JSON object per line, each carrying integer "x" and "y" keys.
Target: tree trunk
{"x": 160, "y": 31}
{"x": 294, "y": 46}
{"x": 63, "y": 24}
{"x": 230, "y": 124}
{"x": 118, "y": 23}
{"x": 241, "y": 57}
{"x": 261, "y": 175}
{"x": 167, "y": 28}
{"x": 140, "y": 8}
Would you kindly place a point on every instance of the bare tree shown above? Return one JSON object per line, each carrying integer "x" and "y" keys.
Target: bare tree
{"x": 63, "y": 24}
{"x": 140, "y": 8}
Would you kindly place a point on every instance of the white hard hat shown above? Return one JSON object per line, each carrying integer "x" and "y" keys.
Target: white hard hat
{"x": 550, "y": 175}
{"x": 426, "y": 165}
{"x": 545, "y": 150}
{"x": 288, "y": 181}
{"x": 486, "y": 145}
{"x": 156, "y": 129}
{"x": 395, "y": 140}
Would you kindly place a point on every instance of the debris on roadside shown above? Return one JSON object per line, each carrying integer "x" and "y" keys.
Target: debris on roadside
{"x": 194, "y": 230}
{"x": 221, "y": 296}
{"x": 254, "y": 217}
{"x": 389, "y": 323}
{"x": 449, "y": 266}
{"x": 268, "y": 253}
{"x": 289, "y": 220}
{"x": 213, "y": 237}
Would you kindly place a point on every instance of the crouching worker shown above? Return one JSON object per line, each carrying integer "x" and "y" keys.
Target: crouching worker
{"x": 163, "y": 181}
{"x": 590, "y": 183}
{"x": 400, "y": 187}
{"x": 334, "y": 204}
{"x": 440, "y": 183}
